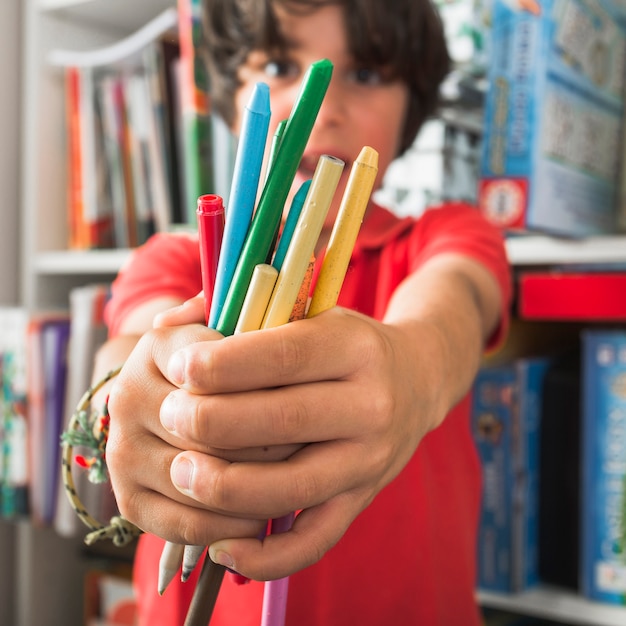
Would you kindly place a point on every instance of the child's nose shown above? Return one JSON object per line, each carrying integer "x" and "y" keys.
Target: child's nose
{"x": 335, "y": 104}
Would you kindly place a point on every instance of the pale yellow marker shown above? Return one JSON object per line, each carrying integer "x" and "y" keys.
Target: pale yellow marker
{"x": 345, "y": 231}
{"x": 257, "y": 297}
{"x": 303, "y": 240}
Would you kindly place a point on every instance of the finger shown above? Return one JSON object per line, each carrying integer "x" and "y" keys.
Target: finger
{"x": 175, "y": 522}
{"x": 320, "y": 348}
{"x": 189, "y": 312}
{"x": 314, "y": 532}
{"x": 144, "y": 371}
{"x": 315, "y": 474}
{"x": 295, "y": 414}
{"x": 151, "y": 502}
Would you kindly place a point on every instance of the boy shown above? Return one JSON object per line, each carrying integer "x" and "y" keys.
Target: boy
{"x": 360, "y": 414}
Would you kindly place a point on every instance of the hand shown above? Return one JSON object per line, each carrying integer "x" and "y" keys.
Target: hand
{"x": 347, "y": 393}
{"x": 138, "y": 455}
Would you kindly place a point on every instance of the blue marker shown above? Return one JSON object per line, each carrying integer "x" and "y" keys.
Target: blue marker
{"x": 243, "y": 191}
{"x": 290, "y": 224}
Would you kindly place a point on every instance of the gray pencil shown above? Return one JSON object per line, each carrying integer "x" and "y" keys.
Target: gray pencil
{"x": 191, "y": 556}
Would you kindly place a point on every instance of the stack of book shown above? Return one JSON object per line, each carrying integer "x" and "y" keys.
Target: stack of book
{"x": 141, "y": 137}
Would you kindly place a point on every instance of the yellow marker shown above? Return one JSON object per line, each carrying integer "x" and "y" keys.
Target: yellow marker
{"x": 303, "y": 240}
{"x": 258, "y": 295}
{"x": 345, "y": 231}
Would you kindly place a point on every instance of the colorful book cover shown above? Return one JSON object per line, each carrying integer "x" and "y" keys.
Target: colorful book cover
{"x": 195, "y": 108}
{"x": 603, "y": 510}
{"x": 14, "y": 471}
{"x": 553, "y": 117}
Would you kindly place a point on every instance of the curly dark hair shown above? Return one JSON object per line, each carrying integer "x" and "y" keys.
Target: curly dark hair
{"x": 403, "y": 36}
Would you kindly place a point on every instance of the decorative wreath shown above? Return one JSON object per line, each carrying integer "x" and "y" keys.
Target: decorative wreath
{"x": 89, "y": 428}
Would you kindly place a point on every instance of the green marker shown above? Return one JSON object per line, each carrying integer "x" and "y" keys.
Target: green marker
{"x": 266, "y": 219}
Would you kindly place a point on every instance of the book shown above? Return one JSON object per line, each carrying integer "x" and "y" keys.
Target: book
{"x": 108, "y": 92}
{"x": 48, "y": 335}
{"x": 506, "y": 417}
{"x": 119, "y": 175}
{"x": 559, "y": 471}
{"x": 553, "y": 116}
{"x": 492, "y": 411}
{"x": 14, "y": 470}
{"x": 87, "y": 333}
{"x": 603, "y": 496}
{"x": 89, "y": 201}
{"x": 138, "y": 112}
{"x": 161, "y": 158}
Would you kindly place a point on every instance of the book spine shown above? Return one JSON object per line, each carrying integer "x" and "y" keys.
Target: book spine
{"x": 493, "y": 427}
{"x": 78, "y": 238}
{"x": 531, "y": 376}
{"x": 603, "y": 523}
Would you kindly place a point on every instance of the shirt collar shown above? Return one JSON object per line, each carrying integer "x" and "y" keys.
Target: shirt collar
{"x": 379, "y": 227}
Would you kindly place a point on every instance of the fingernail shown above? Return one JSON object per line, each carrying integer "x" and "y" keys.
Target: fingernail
{"x": 176, "y": 368}
{"x": 168, "y": 414}
{"x": 222, "y": 558}
{"x": 182, "y": 473}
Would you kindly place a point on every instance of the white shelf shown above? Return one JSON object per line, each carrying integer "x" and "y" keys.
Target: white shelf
{"x": 530, "y": 250}
{"x": 556, "y": 604}
{"x": 78, "y": 262}
{"x": 545, "y": 250}
{"x": 119, "y": 14}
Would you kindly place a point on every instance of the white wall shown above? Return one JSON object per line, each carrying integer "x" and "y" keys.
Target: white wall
{"x": 10, "y": 42}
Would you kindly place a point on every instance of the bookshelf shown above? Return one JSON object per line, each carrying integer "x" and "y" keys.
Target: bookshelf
{"x": 556, "y": 604}
{"x": 533, "y": 250}
{"x": 50, "y": 569}
{"x": 41, "y": 578}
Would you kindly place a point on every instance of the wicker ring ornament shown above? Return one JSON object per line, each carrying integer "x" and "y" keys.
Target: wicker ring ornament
{"x": 89, "y": 428}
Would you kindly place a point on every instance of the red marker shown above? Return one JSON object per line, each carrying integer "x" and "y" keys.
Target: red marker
{"x": 210, "y": 214}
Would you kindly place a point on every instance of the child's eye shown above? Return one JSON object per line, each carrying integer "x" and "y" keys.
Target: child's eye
{"x": 367, "y": 76}
{"x": 280, "y": 69}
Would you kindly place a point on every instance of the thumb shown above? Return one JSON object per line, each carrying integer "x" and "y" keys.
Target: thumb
{"x": 189, "y": 312}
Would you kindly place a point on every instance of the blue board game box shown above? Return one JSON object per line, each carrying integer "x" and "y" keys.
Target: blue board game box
{"x": 553, "y": 117}
{"x": 506, "y": 417}
{"x": 603, "y": 510}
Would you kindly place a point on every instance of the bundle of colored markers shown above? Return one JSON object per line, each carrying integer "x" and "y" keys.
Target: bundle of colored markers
{"x": 253, "y": 283}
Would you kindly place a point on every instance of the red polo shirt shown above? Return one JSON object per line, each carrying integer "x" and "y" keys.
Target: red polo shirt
{"x": 410, "y": 557}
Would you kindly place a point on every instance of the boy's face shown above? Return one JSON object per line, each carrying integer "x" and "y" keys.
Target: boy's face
{"x": 360, "y": 108}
